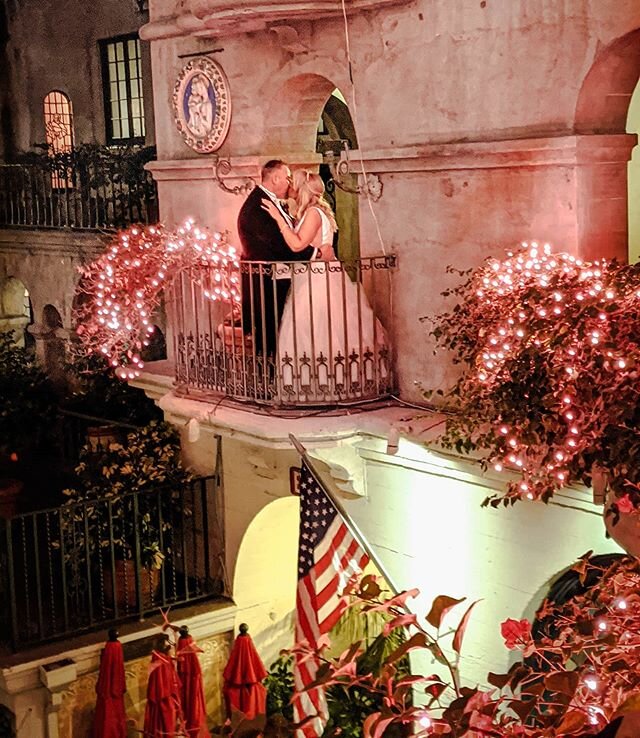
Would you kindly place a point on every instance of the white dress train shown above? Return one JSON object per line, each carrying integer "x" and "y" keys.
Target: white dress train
{"x": 331, "y": 346}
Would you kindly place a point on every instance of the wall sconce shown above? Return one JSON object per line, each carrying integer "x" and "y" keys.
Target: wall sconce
{"x": 369, "y": 185}
{"x": 221, "y": 168}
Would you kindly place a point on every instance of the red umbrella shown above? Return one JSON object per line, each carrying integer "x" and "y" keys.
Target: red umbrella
{"x": 191, "y": 688}
{"x": 243, "y": 675}
{"x": 162, "y": 712}
{"x": 109, "y": 720}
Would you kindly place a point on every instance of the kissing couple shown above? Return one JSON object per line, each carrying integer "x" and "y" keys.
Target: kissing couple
{"x": 306, "y": 316}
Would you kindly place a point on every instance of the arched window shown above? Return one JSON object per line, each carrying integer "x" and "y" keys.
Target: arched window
{"x": 58, "y": 126}
{"x": 58, "y": 122}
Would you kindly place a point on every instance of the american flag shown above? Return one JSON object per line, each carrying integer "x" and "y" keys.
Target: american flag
{"x": 328, "y": 556}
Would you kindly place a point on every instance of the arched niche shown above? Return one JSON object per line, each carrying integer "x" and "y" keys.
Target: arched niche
{"x": 605, "y": 94}
{"x": 265, "y": 580}
{"x": 54, "y": 345}
{"x": 309, "y": 116}
{"x": 51, "y": 318}
{"x": 295, "y": 111}
{"x": 16, "y": 310}
{"x": 157, "y": 346}
{"x": 604, "y": 149}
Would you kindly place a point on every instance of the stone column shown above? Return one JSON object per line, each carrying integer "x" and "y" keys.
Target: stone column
{"x": 601, "y": 195}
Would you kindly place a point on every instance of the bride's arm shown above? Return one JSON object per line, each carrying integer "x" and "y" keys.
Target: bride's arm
{"x": 295, "y": 241}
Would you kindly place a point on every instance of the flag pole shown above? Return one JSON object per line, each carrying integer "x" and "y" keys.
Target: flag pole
{"x": 352, "y": 527}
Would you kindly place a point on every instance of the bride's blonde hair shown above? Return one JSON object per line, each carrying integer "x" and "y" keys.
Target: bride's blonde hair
{"x": 310, "y": 193}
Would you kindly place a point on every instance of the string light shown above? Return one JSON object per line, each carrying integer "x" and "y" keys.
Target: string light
{"x": 128, "y": 290}
{"x": 567, "y": 314}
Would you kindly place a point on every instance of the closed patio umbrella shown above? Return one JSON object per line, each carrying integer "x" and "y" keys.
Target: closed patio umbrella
{"x": 162, "y": 714}
{"x": 109, "y": 720}
{"x": 191, "y": 687}
{"x": 243, "y": 675}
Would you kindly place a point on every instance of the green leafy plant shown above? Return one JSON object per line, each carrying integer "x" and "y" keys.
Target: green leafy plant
{"x": 578, "y": 671}
{"x": 27, "y": 403}
{"x": 97, "y": 166}
{"x": 279, "y": 685}
{"x": 550, "y": 350}
{"x": 99, "y": 393}
{"x": 147, "y": 464}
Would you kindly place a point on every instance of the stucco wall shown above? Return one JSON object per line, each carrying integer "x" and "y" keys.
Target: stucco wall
{"x": 55, "y": 47}
{"x": 420, "y": 511}
{"x": 47, "y": 262}
{"x": 467, "y": 112}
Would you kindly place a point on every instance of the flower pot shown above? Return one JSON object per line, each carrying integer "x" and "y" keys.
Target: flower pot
{"x": 10, "y": 491}
{"x": 124, "y": 594}
{"x": 626, "y": 532}
{"x": 100, "y": 437}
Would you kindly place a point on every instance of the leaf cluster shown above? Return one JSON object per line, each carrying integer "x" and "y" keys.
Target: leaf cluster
{"x": 575, "y": 675}
{"x": 27, "y": 400}
{"x": 550, "y": 357}
{"x": 146, "y": 462}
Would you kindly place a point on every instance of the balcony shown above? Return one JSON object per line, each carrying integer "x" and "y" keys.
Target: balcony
{"x": 306, "y": 334}
{"x": 83, "y": 196}
{"x": 113, "y": 558}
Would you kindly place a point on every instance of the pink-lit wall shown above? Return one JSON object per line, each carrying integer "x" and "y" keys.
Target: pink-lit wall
{"x": 487, "y": 123}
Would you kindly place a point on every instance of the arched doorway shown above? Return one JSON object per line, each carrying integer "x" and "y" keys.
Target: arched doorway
{"x": 336, "y": 132}
{"x": 310, "y": 114}
{"x": 265, "y": 578}
{"x": 633, "y": 196}
{"x": 16, "y": 311}
{"x": 603, "y": 120}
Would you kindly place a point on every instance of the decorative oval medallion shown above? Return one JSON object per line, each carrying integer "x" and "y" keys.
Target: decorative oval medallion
{"x": 202, "y": 105}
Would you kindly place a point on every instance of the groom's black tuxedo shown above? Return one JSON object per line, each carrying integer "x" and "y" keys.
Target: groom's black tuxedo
{"x": 262, "y": 241}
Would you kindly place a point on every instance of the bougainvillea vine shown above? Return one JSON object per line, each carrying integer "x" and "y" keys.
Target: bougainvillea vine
{"x": 551, "y": 350}
{"x": 120, "y": 291}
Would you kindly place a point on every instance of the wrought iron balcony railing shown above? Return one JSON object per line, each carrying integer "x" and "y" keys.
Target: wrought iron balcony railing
{"x": 88, "y": 196}
{"x": 86, "y": 565}
{"x": 305, "y": 333}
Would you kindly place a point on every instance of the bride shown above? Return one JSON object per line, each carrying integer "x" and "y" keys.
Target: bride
{"x": 329, "y": 338}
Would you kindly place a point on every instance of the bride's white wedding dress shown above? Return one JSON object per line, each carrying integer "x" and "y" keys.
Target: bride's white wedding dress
{"x": 330, "y": 344}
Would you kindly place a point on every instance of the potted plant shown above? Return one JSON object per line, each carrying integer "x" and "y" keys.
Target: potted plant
{"x": 127, "y": 498}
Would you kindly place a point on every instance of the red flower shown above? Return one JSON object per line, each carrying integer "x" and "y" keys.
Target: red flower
{"x": 515, "y": 632}
{"x": 625, "y": 505}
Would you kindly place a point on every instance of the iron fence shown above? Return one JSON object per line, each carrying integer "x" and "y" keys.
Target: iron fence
{"x": 89, "y": 564}
{"x": 304, "y": 334}
{"x": 85, "y": 195}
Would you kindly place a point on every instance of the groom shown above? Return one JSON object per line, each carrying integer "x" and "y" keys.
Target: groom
{"x": 265, "y": 292}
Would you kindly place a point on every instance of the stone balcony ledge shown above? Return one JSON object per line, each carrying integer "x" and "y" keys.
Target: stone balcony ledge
{"x": 216, "y": 18}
